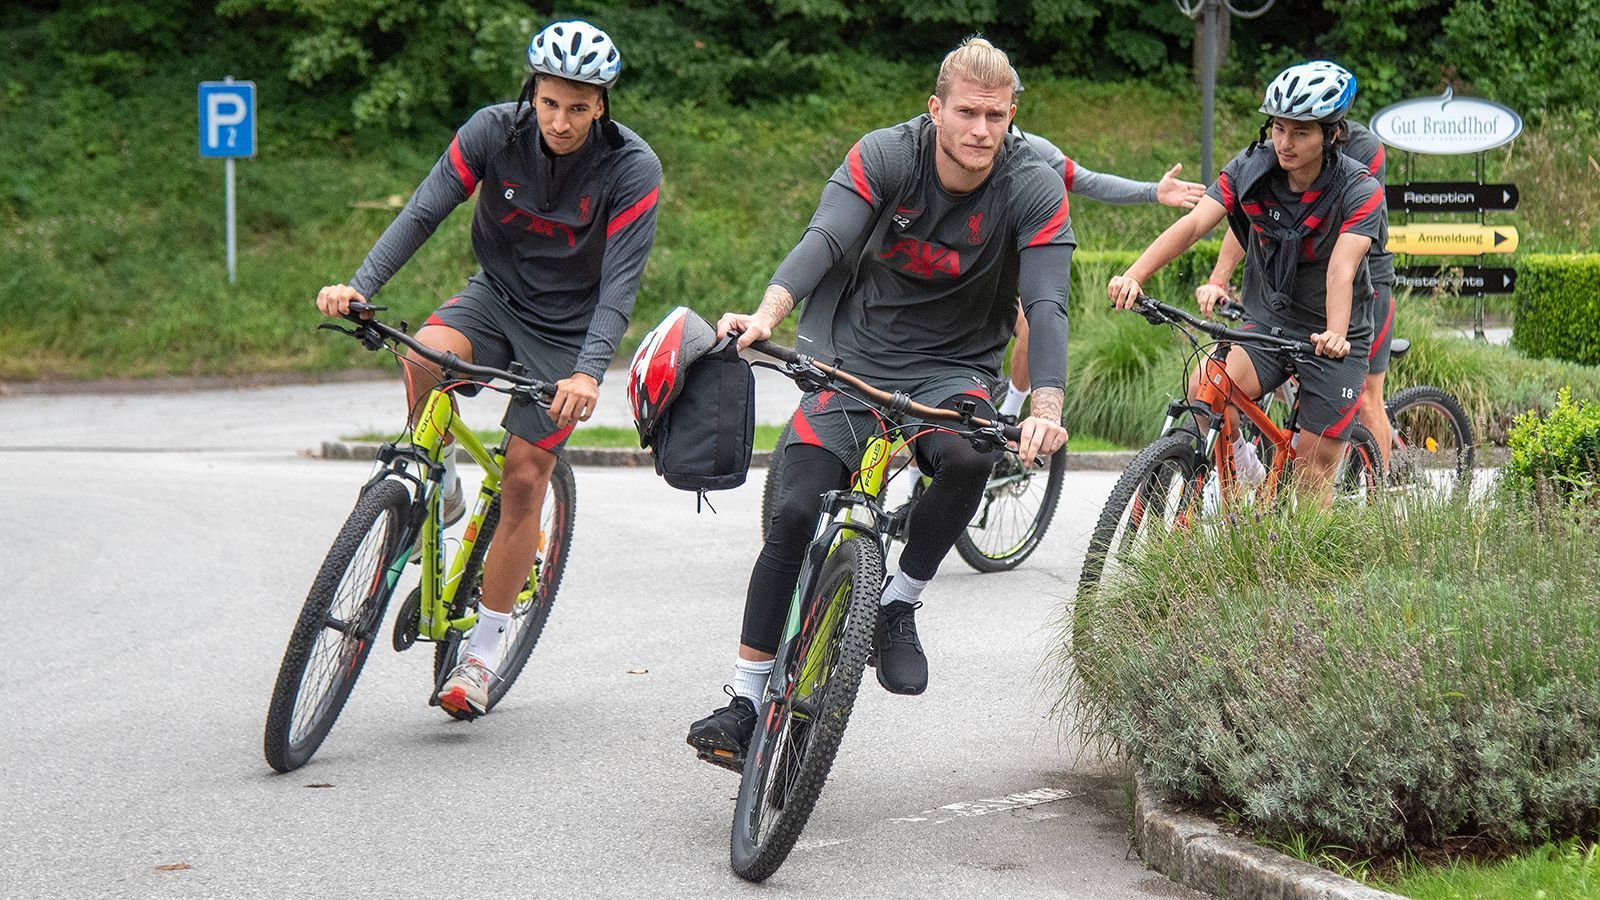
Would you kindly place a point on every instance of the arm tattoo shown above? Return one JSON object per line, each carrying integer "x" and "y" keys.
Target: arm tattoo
{"x": 776, "y": 304}
{"x": 1047, "y": 404}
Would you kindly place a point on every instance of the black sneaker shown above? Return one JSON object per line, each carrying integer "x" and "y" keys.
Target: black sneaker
{"x": 902, "y": 666}
{"x": 722, "y": 737}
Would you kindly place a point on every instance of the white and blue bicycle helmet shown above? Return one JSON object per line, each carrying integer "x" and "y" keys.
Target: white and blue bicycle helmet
{"x": 576, "y": 51}
{"x": 1317, "y": 91}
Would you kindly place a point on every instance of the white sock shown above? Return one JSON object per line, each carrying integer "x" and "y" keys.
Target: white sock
{"x": 452, "y": 477}
{"x": 484, "y": 643}
{"x": 903, "y": 587}
{"x": 750, "y": 679}
{"x": 1013, "y": 402}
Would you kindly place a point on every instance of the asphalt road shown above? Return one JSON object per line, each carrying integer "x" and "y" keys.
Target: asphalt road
{"x": 164, "y": 585}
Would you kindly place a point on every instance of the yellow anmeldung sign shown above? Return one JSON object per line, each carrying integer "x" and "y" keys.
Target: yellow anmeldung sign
{"x": 1465, "y": 239}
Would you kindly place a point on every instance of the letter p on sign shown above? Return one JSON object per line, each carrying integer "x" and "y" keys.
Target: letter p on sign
{"x": 227, "y": 118}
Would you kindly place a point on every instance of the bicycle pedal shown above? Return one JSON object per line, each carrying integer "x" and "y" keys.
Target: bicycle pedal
{"x": 726, "y": 759}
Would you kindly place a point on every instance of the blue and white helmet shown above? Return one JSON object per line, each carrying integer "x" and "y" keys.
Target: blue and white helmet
{"x": 1318, "y": 91}
{"x": 576, "y": 51}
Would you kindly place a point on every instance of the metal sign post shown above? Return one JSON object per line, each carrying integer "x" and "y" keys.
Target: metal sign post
{"x": 228, "y": 131}
{"x": 1209, "y": 13}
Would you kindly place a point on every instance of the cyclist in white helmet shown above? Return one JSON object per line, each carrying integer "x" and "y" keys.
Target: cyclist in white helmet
{"x": 1364, "y": 147}
{"x": 1307, "y": 216}
{"x": 562, "y": 228}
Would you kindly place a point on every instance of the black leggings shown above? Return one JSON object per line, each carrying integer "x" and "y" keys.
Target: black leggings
{"x": 959, "y": 473}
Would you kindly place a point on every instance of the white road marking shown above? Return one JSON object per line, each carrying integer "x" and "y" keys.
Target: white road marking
{"x": 966, "y": 810}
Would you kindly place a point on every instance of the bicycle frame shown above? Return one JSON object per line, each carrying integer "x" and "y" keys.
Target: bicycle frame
{"x": 838, "y": 516}
{"x": 1215, "y": 393}
{"x": 440, "y": 580}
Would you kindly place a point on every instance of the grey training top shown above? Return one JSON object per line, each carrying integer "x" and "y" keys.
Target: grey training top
{"x": 562, "y": 239}
{"x": 1365, "y": 148}
{"x": 1358, "y": 206}
{"x": 906, "y": 280}
{"x": 1089, "y": 183}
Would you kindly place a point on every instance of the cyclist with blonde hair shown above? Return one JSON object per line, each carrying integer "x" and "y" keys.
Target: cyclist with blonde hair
{"x": 910, "y": 271}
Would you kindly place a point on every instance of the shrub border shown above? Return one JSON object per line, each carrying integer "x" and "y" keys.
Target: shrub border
{"x": 1193, "y": 850}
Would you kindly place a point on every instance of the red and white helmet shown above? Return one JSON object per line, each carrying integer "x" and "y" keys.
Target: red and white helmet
{"x": 656, "y": 375}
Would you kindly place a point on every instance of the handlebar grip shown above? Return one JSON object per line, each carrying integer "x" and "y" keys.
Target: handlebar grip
{"x": 776, "y": 351}
{"x": 1011, "y": 432}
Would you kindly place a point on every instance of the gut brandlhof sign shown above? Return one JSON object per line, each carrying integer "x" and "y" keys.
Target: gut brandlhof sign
{"x": 1446, "y": 124}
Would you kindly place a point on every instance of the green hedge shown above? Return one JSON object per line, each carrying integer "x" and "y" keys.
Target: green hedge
{"x": 1370, "y": 677}
{"x": 1558, "y": 307}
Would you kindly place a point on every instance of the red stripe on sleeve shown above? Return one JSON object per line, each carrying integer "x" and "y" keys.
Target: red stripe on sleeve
{"x": 1377, "y": 162}
{"x": 1366, "y": 210}
{"x": 1227, "y": 191}
{"x": 1069, "y": 170}
{"x": 469, "y": 181}
{"x": 627, "y": 216}
{"x": 1052, "y": 227}
{"x": 858, "y": 173}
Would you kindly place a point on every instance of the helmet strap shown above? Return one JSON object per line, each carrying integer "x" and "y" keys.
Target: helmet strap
{"x": 519, "y": 119}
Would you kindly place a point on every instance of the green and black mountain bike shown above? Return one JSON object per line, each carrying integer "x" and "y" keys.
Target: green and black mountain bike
{"x": 398, "y": 507}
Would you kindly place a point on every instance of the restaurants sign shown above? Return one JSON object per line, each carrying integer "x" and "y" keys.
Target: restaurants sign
{"x": 1446, "y": 124}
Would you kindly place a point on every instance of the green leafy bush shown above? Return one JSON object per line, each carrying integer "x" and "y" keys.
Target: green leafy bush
{"x": 1558, "y": 307}
{"x": 1560, "y": 448}
{"x": 1373, "y": 677}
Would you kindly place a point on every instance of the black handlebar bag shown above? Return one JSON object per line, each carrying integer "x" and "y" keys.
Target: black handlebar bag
{"x": 706, "y": 436}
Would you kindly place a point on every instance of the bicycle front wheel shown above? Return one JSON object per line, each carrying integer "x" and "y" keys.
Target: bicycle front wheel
{"x": 1433, "y": 445}
{"x": 798, "y": 732}
{"x": 534, "y": 601}
{"x": 1360, "y": 474}
{"x": 1159, "y": 491}
{"x": 1018, "y": 503}
{"x": 334, "y": 633}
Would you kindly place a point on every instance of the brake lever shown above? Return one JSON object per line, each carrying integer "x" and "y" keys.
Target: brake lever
{"x": 369, "y": 337}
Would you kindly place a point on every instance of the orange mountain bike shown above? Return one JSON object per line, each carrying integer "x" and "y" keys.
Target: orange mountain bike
{"x": 1186, "y": 475}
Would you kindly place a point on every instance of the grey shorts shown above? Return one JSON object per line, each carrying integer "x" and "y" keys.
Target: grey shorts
{"x": 843, "y": 427}
{"x": 1330, "y": 389}
{"x": 1383, "y": 330}
{"x": 498, "y": 336}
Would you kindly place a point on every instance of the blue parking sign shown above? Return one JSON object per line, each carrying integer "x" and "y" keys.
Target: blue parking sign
{"x": 227, "y": 118}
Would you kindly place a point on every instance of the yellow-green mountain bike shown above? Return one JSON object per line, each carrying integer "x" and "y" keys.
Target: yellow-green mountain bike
{"x": 398, "y": 508}
{"x": 828, "y": 634}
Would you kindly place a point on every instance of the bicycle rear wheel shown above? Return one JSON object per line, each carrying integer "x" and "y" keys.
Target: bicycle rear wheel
{"x": 533, "y": 604}
{"x": 1434, "y": 444}
{"x": 333, "y": 635}
{"x": 798, "y": 732}
{"x": 1018, "y": 503}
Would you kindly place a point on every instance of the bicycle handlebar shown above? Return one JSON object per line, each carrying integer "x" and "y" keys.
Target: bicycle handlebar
{"x": 532, "y": 388}
{"x": 895, "y": 402}
{"x": 1159, "y": 313}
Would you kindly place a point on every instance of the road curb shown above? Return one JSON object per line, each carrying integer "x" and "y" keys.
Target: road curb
{"x": 1099, "y": 461}
{"x": 1192, "y": 850}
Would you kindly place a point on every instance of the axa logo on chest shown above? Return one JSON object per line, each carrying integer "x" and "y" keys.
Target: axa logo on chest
{"x": 925, "y": 260}
{"x": 541, "y": 225}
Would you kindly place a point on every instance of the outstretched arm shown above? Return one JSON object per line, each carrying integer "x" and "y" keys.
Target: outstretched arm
{"x": 1124, "y": 289}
